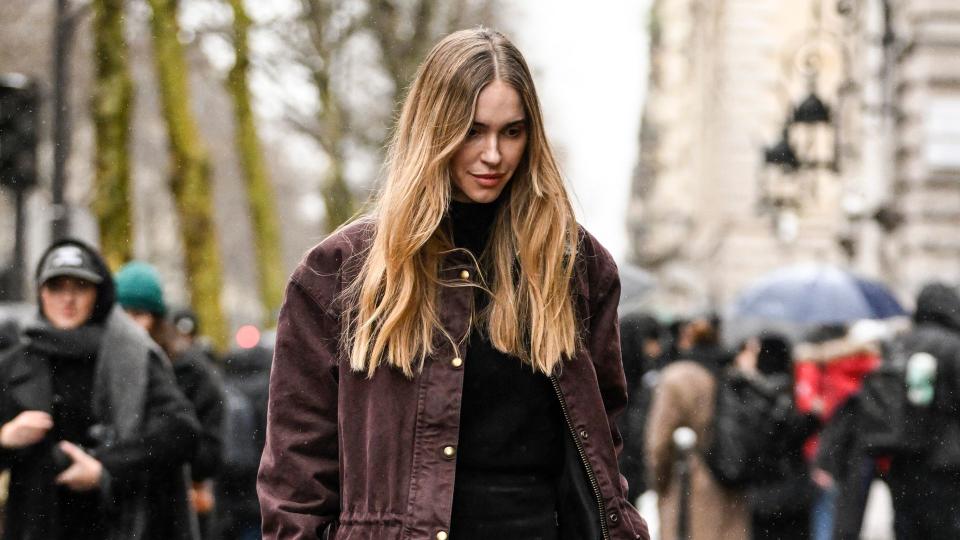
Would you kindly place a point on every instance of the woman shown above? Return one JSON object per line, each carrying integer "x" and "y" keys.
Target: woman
{"x": 450, "y": 368}
{"x": 92, "y": 426}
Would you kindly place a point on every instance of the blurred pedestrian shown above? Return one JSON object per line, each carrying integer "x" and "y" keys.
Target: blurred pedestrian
{"x": 781, "y": 503}
{"x": 829, "y": 367}
{"x": 700, "y": 341}
{"x": 246, "y": 380}
{"x": 140, "y": 294}
{"x": 926, "y": 486}
{"x": 94, "y": 429}
{"x": 450, "y": 368}
{"x": 641, "y": 345}
{"x": 186, "y": 334}
{"x": 685, "y": 396}
{"x": 9, "y": 334}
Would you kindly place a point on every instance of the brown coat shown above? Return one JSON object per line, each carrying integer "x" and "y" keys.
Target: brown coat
{"x": 685, "y": 397}
{"x": 374, "y": 459}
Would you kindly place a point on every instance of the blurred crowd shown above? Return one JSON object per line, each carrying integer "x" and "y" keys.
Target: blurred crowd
{"x": 117, "y": 419}
{"x": 810, "y": 423}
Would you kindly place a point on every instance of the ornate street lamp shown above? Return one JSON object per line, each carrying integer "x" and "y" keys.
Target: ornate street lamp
{"x": 792, "y": 166}
{"x": 813, "y": 134}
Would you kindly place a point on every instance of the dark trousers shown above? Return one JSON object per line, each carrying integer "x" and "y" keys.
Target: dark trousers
{"x": 926, "y": 503}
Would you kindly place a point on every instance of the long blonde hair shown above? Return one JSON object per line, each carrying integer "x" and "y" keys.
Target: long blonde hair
{"x": 395, "y": 313}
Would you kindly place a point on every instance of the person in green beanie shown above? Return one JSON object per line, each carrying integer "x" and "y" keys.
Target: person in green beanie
{"x": 140, "y": 293}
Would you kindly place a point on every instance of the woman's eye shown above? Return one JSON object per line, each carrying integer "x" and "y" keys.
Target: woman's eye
{"x": 514, "y": 131}
{"x": 473, "y": 133}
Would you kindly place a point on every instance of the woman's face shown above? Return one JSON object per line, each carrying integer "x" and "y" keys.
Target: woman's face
{"x": 67, "y": 302}
{"x": 487, "y": 158}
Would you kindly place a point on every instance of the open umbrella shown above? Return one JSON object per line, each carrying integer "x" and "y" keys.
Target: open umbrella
{"x": 813, "y": 294}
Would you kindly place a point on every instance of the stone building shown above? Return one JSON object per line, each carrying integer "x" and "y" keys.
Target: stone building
{"x": 878, "y": 186}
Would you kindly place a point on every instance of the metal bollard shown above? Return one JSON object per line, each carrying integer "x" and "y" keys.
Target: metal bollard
{"x": 684, "y": 440}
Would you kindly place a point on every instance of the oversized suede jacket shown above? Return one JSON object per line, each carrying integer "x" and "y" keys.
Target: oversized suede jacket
{"x": 349, "y": 457}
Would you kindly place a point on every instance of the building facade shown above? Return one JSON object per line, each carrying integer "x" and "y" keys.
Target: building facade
{"x": 877, "y": 185}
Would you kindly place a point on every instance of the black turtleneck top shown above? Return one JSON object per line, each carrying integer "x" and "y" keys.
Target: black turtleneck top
{"x": 511, "y": 424}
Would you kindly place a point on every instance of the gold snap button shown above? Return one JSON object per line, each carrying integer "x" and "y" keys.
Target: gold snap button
{"x": 456, "y": 362}
{"x": 441, "y": 535}
{"x": 584, "y": 434}
{"x": 464, "y": 274}
{"x": 449, "y": 452}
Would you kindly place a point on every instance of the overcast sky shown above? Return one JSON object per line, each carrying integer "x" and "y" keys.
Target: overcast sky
{"x": 590, "y": 65}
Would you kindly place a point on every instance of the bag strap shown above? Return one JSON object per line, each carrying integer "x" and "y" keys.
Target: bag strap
{"x": 897, "y": 354}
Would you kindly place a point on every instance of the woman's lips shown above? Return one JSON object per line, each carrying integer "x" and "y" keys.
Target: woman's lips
{"x": 487, "y": 180}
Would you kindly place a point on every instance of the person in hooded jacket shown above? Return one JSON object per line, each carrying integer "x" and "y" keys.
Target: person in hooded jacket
{"x": 140, "y": 294}
{"x": 926, "y": 487}
{"x": 93, "y": 428}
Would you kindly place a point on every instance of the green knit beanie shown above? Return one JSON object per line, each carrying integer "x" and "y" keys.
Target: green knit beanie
{"x": 138, "y": 288}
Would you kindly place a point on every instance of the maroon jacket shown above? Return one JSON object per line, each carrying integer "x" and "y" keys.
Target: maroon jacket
{"x": 351, "y": 458}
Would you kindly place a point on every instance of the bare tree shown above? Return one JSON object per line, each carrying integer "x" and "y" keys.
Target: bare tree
{"x": 392, "y": 37}
{"x": 112, "y": 103}
{"x": 259, "y": 190}
{"x": 190, "y": 176}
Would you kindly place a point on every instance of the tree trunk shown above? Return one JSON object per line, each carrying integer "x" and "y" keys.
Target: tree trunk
{"x": 259, "y": 191}
{"x": 112, "y": 103}
{"x": 333, "y": 116}
{"x": 337, "y": 198}
{"x": 189, "y": 174}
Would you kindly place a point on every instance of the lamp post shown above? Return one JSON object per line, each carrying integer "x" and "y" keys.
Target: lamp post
{"x": 66, "y": 21}
{"x": 792, "y": 167}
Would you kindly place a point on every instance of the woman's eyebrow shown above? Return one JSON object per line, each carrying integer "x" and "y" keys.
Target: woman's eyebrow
{"x": 522, "y": 121}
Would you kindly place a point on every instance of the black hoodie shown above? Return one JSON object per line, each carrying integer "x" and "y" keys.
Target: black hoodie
{"x": 938, "y": 304}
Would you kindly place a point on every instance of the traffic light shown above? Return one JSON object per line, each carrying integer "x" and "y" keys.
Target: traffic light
{"x": 19, "y": 104}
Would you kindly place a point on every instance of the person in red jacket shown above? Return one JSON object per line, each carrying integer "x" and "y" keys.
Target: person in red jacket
{"x": 829, "y": 367}
{"x": 449, "y": 366}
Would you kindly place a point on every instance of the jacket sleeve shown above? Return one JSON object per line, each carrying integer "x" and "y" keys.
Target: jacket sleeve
{"x": 8, "y": 456}
{"x": 299, "y": 483}
{"x": 169, "y": 434}
{"x": 603, "y": 342}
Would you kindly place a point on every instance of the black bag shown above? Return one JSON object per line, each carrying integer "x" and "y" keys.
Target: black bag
{"x": 888, "y": 423}
{"x": 747, "y": 421}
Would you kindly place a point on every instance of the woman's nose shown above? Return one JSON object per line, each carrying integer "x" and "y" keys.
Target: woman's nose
{"x": 491, "y": 150}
